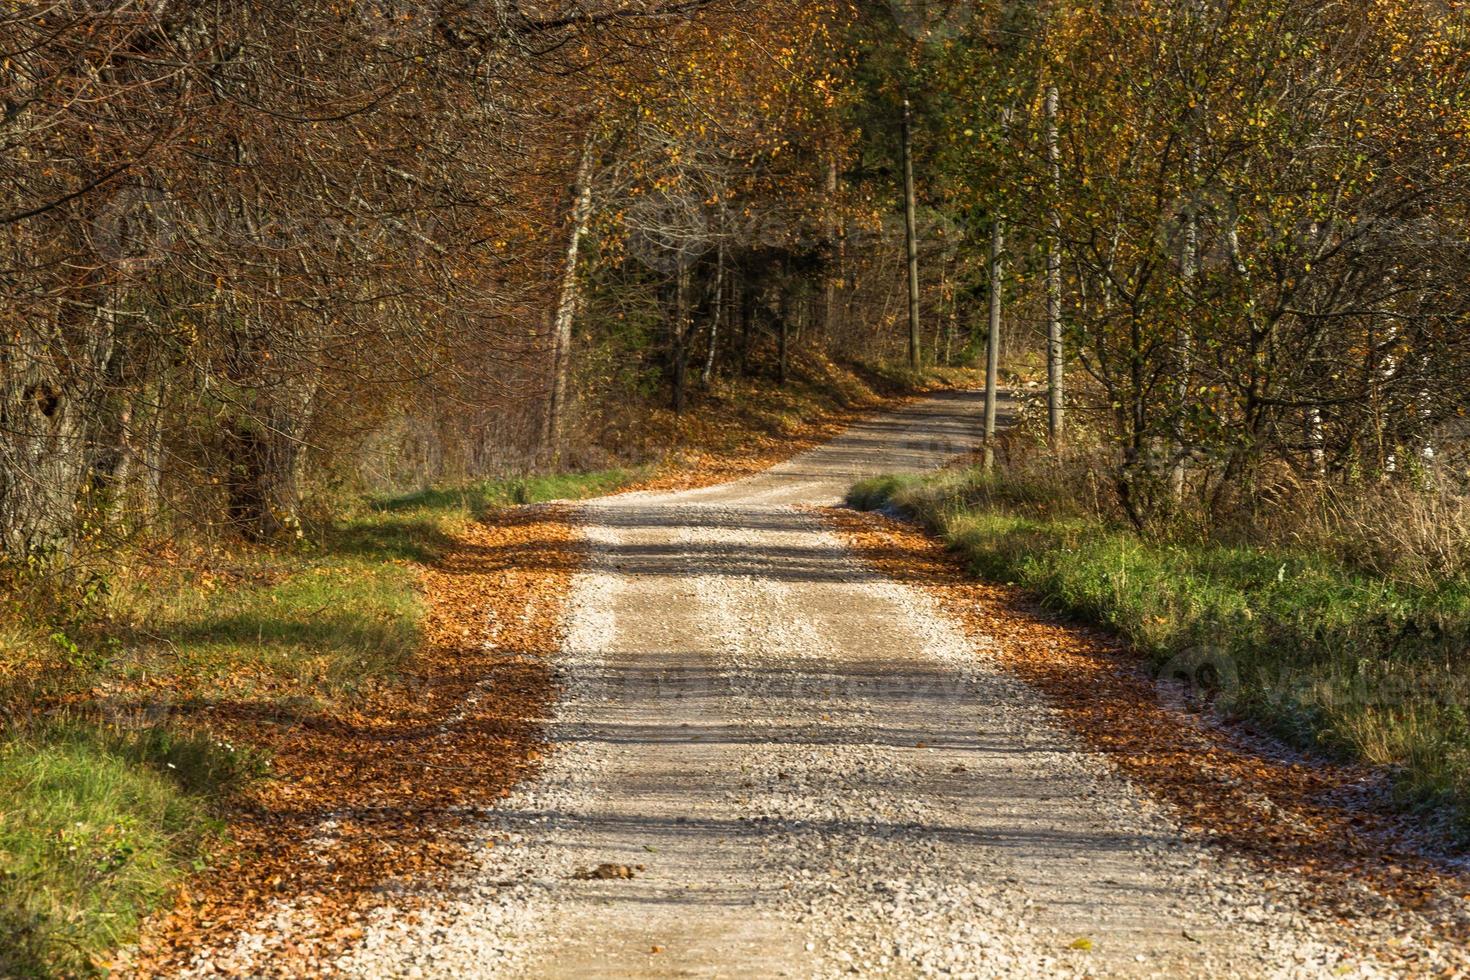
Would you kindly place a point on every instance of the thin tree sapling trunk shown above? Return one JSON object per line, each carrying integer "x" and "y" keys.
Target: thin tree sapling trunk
{"x": 717, "y": 305}
{"x": 992, "y": 340}
{"x": 911, "y": 234}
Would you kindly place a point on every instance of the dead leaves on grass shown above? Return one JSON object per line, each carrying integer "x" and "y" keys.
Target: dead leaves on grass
{"x": 366, "y": 794}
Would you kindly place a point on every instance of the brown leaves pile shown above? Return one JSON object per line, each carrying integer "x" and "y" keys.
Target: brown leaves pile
{"x": 1314, "y": 820}
{"x": 366, "y": 796}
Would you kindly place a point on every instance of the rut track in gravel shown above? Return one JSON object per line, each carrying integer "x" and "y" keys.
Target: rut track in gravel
{"x": 772, "y": 760}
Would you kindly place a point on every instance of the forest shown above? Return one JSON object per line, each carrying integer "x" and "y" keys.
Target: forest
{"x": 295, "y": 297}
{"x": 254, "y": 252}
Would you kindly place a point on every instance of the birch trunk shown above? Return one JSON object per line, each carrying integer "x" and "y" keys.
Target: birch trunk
{"x": 783, "y": 336}
{"x": 1316, "y": 442}
{"x": 747, "y": 314}
{"x": 992, "y": 340}
{"x": 566, "y": 308}
{"x": 941, "y": 323}
{"x": 1184, "y": 338}
{"x": 829, "y": 275}
{"x": 714, "y": 325}
{"x": 680, "y": 338}
{"x": 1055, "y": 397}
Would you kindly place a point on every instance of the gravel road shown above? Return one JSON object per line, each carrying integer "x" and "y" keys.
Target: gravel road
{"x": 770, "y": 761}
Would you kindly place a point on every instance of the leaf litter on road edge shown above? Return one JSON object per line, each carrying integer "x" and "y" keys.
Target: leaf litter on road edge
{"x": 1307, "y": 818}
{"x": 367, "y": 797}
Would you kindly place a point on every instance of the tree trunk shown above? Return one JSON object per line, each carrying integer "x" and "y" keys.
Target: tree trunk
{"x": 1315, "y": 443}
{"x": 680, "y": 338}
{"x": 829, "y": 274}
{"x": 949, "y": 335}
{"x": 747, "y": 313}
{"x": 1184, "y": 337}
{"x": 1425, "y": 401}
{"x": 718, "y": 305}
{"x": 49, "y": 403}
{"x": 783, "y": 339}
{"x": 1055, "y": 398}
{"x": 151, "y": 477}
{"x": 911, "y": 235}
{"x": 124, "y": 457}
{"x": 566, "y": 308}
{"x": 992, "y": 340}
{"x": 264, "y": 486}
{"x": 941, "y": 320}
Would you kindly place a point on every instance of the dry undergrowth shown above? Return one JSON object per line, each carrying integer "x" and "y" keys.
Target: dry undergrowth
{"x": 363, "y": 798}
{"x": 1318, "y": 821}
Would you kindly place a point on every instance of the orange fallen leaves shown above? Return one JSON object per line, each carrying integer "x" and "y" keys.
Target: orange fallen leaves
{"x": 370, "y": 793}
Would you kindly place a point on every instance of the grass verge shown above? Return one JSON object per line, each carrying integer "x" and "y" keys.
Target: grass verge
{"x": 97, "y": 826}
{"x": 1324, "y": 655}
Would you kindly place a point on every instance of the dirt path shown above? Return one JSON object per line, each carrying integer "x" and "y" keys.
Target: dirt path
{"x": 807, "y": 769}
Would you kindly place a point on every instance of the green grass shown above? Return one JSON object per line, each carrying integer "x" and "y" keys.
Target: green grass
{"x": 1328, "y": 657}
{"x": 310, "y": 623}
{"x": 100, "y": 817}
{"x": 96, "y": 827}
{"x": 476, "y": 498}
